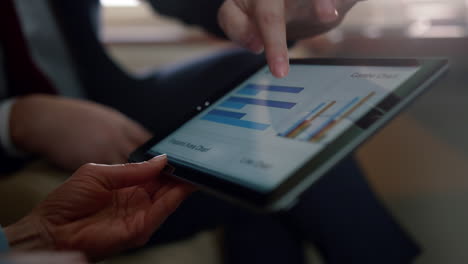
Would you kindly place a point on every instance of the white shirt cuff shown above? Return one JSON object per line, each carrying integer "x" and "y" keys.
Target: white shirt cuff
{"x": 4, "y": 245}
{"x": 5, "y": 138}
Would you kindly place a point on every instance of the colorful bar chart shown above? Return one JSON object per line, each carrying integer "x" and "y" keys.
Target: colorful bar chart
{"x": 235, "y": 102}
{"x": 337, "y": 118}
{"x": 321, "y": 121}
{"x": 332, "y": 118}
{"x": 301, "y": 121}
{"x": 302, "y": 126}
{"x": 311, "y": 126}
{"x": 255, "y": 89}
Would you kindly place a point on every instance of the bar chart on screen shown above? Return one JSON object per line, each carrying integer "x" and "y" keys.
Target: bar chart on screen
{"x": 243, "y": 108}
{"x": 323, "y": 118}
{"x": 267, "y": 127}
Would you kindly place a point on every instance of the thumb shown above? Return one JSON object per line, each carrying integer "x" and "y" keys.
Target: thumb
{"x": 125, "y": 175}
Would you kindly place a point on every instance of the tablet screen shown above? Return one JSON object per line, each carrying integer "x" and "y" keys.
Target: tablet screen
{"x": 267, "y": 128}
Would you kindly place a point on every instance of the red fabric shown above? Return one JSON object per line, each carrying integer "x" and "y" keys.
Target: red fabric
{"x": 23, "y": 75}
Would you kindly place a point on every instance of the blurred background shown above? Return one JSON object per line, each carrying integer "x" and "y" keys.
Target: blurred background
{"x": 418, "y": 164}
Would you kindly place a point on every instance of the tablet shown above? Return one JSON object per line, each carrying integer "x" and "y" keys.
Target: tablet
{"x": 263, "y": 141}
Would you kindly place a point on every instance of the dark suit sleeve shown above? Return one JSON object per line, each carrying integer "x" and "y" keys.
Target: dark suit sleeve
{"x": 7, "y": 164}
{"x": 193, "y": 12}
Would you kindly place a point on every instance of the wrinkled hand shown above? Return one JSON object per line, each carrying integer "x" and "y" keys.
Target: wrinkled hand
{"x": 267, "y": 24}
{"x": 101, "y": 210}
{"x": 71, "y": 132}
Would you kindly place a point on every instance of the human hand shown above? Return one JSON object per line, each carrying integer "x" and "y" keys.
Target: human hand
{"x": 267, "y": 24}
{"x": 44, "y": 257}
{"x": 71, "y": 132}
{"x": 101, "y": 210}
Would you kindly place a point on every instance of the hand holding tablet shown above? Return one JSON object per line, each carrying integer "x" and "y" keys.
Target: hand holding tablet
{"x": 266, "y": 140}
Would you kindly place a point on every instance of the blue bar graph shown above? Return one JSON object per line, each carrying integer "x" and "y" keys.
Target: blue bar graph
{"x": 261, "y": 102}
{"x": 232, "y": 105}
{"x": 230, "y": 114}
{"x": 254, "y": 89}
{"x": 235, "y": 122}
{"x": 332, "y": 118}
{"x": 302, "y": 120}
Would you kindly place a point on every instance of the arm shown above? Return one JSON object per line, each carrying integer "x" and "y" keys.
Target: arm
{"x": 35, "y": 257}
{"x": 50, "y": 126}
{"x": 44, "y": 257}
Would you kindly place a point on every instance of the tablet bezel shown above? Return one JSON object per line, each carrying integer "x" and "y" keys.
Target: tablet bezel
{"x": 284, "y": 195}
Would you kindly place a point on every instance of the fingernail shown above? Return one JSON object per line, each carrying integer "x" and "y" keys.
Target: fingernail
{"x": 326, "y": 11}
{"x": 281, "y": 68}
{"x": 159, "y": 158}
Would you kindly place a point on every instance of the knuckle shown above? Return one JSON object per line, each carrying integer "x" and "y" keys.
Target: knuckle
{"x": 246, "y": 39}
{"x": 87, "y": 174}
{"x": 87, "y": 169}
{"x": 270, "y": 18}
{"x": 132, "y": 166}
